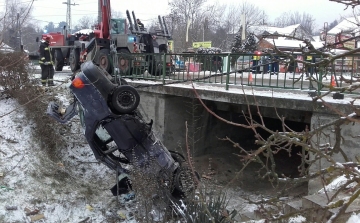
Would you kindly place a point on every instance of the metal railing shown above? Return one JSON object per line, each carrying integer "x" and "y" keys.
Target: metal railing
{"x": 270, "y": 71}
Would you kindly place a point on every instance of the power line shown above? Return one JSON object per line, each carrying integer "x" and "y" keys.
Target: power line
{"x": 68, "y": 13}
{"x": 62, "y": 15}
{"x": 73, "y": 10}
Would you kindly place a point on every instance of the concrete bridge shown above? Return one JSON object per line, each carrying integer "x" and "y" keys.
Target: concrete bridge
{"x": 171, "y": 106}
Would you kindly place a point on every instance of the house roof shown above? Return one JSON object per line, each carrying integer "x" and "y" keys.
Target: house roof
{"x": 5, "y": 48}
{"x": 84, "y": 31}
{"x": 257, "y": 30}
{"x": 347, "y": 25}
{"x": 284, "y": 43}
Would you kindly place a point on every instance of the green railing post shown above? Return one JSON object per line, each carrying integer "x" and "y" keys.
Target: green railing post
{"x": 164, "y": 68}
{"x": 228, "y": 72}
{"x": 320, "y": 79}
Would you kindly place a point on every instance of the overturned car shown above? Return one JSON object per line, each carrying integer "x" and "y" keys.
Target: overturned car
{"x": 118, "y": 135}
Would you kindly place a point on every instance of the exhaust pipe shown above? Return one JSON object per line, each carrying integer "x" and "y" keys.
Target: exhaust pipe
{"x": 135, "y": 23}
{"x": 130, "y": 21}
{"x": 161, "y": 25}
{"x": 166, "y": 29}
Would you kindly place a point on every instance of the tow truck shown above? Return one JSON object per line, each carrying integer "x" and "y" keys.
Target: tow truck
{"x": 117, "y": 35}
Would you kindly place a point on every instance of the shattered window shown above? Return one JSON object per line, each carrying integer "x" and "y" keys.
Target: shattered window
{"x": 102, "y": 133}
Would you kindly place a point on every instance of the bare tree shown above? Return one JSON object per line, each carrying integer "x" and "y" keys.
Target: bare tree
{"x": 231, "y": 23}
{"x": 198, "y": 14}
{"x": 85, "y": 22}
{"x": 306, "y": 20}
{"x": 333, "y": 24}
{"x": 116, "y": 14}
{"x": 348, "y": 3}
{"x": 15, "y": 16}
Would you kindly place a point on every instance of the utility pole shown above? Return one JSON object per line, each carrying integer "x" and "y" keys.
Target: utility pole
{"x": 205, "y": 27}
{"x": 99, "y": 12}
{"x": 188, "y": 22}
{"x": 243, "y": 24}
{"x": 17, "y": 33}
{"x": 68, "y": 13}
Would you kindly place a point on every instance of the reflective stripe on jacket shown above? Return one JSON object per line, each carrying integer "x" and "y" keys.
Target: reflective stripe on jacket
{"x": 45, "y": 53}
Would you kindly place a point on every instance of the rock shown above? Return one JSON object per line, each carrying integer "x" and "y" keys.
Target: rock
{"x": 10, "y": 208}
{"x": 36, "y": 217}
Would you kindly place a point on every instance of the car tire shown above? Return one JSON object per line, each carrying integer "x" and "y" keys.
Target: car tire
{"x": 184, "y": 181}
{"x": 125, "y": 99}
{"x": 178, "y": 157}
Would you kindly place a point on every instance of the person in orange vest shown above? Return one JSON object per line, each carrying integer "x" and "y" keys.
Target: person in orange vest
{"x": 255, "y": 59}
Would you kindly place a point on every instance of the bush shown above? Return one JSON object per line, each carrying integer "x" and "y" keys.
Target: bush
{"x": 14, "y": 70}
{"x": 16, "y": 82}
{"x": 207, "y": 60}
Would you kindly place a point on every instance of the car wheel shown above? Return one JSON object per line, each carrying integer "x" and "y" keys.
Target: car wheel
{"x": 125, "y": 99}
{"x": 178, "y": 157}
{"x": 184, "y": 181}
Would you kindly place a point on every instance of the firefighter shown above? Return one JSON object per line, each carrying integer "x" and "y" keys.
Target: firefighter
{"x": 140, "y": 24}
{"x": 256, "y": 59}
{"x": 46, "y": 62}
{"x": 217, "y": 62}
{"x": 310, "y": 69}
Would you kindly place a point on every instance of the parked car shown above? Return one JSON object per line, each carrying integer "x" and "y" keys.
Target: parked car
{"x": 117, "y": 133}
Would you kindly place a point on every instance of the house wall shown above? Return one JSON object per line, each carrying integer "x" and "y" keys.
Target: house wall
{"x": 263, "y": 44}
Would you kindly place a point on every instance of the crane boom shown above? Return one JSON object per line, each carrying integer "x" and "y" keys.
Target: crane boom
{"x": 105, "y": 18}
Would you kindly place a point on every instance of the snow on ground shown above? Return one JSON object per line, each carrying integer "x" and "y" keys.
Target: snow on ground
{"x": 355, "y": 218}
{"x": 72, "y": 190}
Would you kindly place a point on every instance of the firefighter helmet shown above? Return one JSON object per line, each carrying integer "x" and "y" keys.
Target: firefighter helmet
{"x": 47, "y": 37}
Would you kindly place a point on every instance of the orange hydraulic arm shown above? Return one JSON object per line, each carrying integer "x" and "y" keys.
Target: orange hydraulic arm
{"x": 104, "y": 28}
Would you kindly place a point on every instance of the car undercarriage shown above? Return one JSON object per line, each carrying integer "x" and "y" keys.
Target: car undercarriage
{"x": 118, "y": 135}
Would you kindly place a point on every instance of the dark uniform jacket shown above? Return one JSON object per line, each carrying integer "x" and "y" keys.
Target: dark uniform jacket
{"x": 45, "y": 53}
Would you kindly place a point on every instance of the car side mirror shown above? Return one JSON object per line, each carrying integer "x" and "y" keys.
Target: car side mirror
{"x": 37, "y": 39}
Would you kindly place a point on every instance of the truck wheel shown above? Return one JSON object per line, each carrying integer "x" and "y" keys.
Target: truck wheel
{"x": 74, "y": 60}
{"x": 124, "y": 61}
{"x": 125, "y": 99}
{"x": 155, "y": 68}
{"x": 59, "y": 60}
{"x": 103, "y": 60}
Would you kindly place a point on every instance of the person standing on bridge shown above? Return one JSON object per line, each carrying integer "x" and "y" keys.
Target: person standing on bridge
{"x": 275, "y": 65}
{"x": 46, "y": 62}
{"x": 255, "y": 59}
{"x": 140, "y": 24}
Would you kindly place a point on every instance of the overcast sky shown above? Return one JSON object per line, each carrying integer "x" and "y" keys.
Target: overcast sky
{"x": 47, "y": 10}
